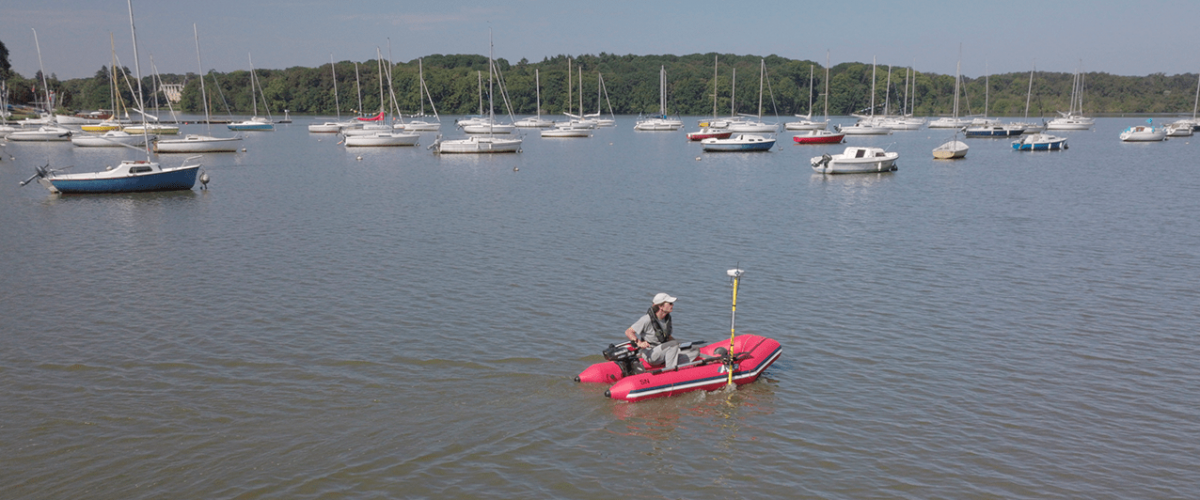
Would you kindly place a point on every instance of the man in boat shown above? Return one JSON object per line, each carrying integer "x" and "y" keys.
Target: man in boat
{"x": 652, "y": 334}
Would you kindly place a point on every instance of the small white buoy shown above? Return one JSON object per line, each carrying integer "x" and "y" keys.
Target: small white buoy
{"x": 697, "y": 158}
{"x": 610, "y": 144}
{"x": 243, "y": 150}
{"x": 359, "y": 157}
{"x": 515, "y": 169}
{"x": 204, "y": 180}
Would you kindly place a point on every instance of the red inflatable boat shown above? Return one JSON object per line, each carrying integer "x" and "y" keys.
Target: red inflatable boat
{"x": 634, "y": 380}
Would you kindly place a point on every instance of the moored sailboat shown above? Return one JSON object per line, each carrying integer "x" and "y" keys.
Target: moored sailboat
{"x": 199, "y": 143}
{"x": 129, "y": 175}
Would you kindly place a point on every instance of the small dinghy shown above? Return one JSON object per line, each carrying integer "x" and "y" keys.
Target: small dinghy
{"x": 739, "y": 362}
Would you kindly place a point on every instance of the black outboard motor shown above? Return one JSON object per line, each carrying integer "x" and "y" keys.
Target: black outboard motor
{"x": 625, "y": 356}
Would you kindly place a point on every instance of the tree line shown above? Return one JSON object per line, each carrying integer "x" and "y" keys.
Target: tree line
{"x": 632, "y": 88}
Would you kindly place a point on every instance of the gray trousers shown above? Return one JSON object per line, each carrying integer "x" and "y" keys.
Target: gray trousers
{"x": 668, "y": 353}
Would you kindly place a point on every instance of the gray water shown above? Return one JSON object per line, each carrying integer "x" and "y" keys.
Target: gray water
{"x": 1011, "y": 325}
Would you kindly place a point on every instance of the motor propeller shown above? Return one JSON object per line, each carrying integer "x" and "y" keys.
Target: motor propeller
{"x": 42, "y": 171}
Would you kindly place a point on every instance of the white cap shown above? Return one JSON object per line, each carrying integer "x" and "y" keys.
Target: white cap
{"x": 662, "y": 297}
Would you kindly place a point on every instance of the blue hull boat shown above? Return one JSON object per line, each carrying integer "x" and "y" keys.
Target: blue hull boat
{"x": 128, "y": 177}
{"x": 1040, "y": 142}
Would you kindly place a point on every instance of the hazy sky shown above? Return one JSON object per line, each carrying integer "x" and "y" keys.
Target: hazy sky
{"x": 1128, "y": 37}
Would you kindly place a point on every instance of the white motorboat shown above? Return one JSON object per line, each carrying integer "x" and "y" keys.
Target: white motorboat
{"x": 658, "y": 124}
{"x": 44, "y": 133}
{"x": 110, "y": 139}
{"x": 489, "y": 128}
{"x": 949, "y": 122}
{"x": 902, "y": 123}
{"x": 567, "y": 131}
{"x": 805, "y": 124}
{"x": 1144, "y": 133}
{"x": 533, "y": 122}
{"x": 196, "y": 143}
{"x": 325, "y": 128}
{"x": 855, "y": 160}
{"x": 1070, "y": 122}
{"x": 478, "y": 144}
{"x": 421, "y": 126}
{"x": 381, "y": 139}
{"x": 1182, "y": 128}
{"x": 739, "y": 142}
{"x": 862, "y": 128}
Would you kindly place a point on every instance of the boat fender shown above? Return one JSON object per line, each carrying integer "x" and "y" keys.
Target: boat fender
{"x": 1064, "y": 145}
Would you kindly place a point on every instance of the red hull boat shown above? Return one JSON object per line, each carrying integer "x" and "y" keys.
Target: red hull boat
{"x": 752, "y": 355}
{"x": 709, "y": 134}
{"x": 819, "y": 137}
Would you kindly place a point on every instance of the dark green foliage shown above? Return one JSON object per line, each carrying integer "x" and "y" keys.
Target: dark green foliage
{"x": 632, "y": 83}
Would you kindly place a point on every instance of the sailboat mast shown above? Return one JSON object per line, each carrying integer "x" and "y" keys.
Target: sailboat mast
{"x": 987, "y": 88}
{"x": 570, "y": 87}
{"x": 810, "y": 90}
{"x": 1029, "y": 93}
{"x": 762, "y": 73}
{"x": 537, "y": 83}
{"x": 253, "y": 96}
{"x": 138, "y": 68}
{"x": 733, "y": 94}
{"x": 491, "y": 103}
{"x": 112, "y": 74}
{"x": 887, "y": 93}
{"x": 826, "y": 88}
{"x": 336, "y": 104}
{"x": 662, "y": 91}
{"x": 358, "y": 89}
{"x": 379, "y": 65}
{"x": 1196, "y": 104}
{"x": 580, "y": 79}
{"x": 42, "y": 70}
{"x": 872, "y": 86}
{"x": 200, "y": 67}
{"x": 715, "y": 87}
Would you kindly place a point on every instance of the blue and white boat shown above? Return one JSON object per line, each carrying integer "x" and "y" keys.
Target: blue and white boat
{"x": 1040, "y": 142}
{"x": 253, "y": 123}
{"x": 994, "y": 130}
{"x": 740, "y": 142}
{"x": 130, "y": 176}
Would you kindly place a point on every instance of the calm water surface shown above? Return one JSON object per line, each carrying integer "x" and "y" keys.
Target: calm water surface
{"x": 1012, "y": 325}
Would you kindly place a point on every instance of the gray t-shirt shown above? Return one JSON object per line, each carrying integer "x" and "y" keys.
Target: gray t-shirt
{"x": 645, "y": 331}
